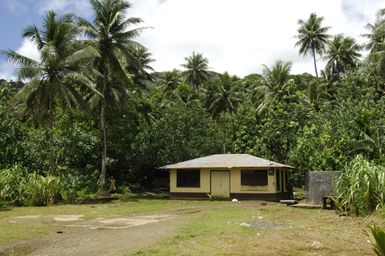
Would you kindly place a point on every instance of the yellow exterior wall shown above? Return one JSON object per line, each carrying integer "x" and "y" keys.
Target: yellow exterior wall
{"x": 235, "y": 182}
{"x": 205, "y": 183}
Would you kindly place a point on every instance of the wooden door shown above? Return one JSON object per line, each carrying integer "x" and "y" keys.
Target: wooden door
{"x": 220, "y": 184}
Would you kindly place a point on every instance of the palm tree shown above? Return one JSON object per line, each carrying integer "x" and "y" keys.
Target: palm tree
{"x": 223, "y": 94}
{"x": 110, "y": 34}
{"x": 55, "y": 77}
{"x": 312, "y": 37}
{"x": 170, "y": 81}
{"x": 139, "y": 65}
{"x": 376, "y": 43}
{"x": 273, "y": 84}
{"x": 376, "y": 36}
{"x": 342, "y": 54}
{"x": 185, "y": 94}
{"x": 197, "y": 70}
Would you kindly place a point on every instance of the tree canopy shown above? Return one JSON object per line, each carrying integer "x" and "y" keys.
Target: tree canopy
{"x": 93, "y": 107}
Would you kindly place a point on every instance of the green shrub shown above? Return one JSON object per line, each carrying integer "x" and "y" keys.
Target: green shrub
{"x": 3, "y": 205}
{"x": 42, "y": 190}
{"x": 20, "y": 188}
{"x": 13, "y": 186}
{"x": 360, "y": 189}
{"x": 377, "y": 237}
{"x": 70, "y": 185}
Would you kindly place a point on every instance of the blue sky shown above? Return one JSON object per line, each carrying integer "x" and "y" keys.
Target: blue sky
{"x": 236, "y": 36}
{"x": 15, "y": 15}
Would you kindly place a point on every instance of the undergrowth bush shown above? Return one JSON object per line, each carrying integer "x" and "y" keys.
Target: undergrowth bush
{"x": 377, "y": 238}
{"x": 13, "y": 185}
{"x": 19, "y": 188}
{"x": 70, "y": 185}
{"x": 42, "y": 190}
{"x": 360, "y": 189}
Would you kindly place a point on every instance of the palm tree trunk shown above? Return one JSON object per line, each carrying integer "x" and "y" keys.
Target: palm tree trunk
{"x": 315, "y": 63}
{"x": 51, "y": 151}
{"x": 102, "y": 177}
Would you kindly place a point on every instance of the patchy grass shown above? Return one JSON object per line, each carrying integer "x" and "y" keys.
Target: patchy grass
{"x": 287, "y": 231}
{"x": 25, "y": 229}
{"x": 215, "y": 227}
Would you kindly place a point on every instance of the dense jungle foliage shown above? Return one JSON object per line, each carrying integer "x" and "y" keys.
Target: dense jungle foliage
{"x": 92, "y": 107}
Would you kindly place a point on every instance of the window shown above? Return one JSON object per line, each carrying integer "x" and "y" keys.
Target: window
{"x": 278, "y": 180}
{"x": 254, "y": 178}
{"x": 188, "y": 178}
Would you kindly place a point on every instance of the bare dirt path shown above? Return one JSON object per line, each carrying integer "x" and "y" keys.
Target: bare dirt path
{"x": 116, "y": 235}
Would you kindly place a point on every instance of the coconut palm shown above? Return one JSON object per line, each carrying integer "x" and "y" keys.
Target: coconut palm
{"x": 169, "y": 82}
{"x": 55, "y": 77}
{"x": 273, "y": 84}
{"x": 312, "y": 37}
{"x": 375, "y": 36}
{"x": 197, "y": 70}
{"x": 342, "y": 54}
{"x": 376, "y": 43}
{"x": 224, "y": 94}
{"x": 111, "y": 35}
{"x": 139, "y": 65}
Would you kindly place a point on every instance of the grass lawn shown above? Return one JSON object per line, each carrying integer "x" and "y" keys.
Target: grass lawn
{"x": 216, "y": 228}
{"x": 278, "y": 230}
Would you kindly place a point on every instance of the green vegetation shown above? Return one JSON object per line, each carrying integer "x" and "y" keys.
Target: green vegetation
{"x": 92, "y": 107}
{"x": 300, "y": 232}
{"x": 360, "y": 188}
{"x": 377, "y": 236}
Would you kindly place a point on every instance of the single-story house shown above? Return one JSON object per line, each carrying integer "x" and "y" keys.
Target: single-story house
{"x": 239, "y": 176}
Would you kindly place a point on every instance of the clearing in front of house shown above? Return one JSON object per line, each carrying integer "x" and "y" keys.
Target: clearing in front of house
{"x": 176, "y": 227}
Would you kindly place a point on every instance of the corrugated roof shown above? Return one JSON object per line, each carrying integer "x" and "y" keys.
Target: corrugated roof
{"x": 225, "y": 161}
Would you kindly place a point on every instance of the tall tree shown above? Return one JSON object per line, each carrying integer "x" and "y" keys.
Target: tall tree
{"x": 197, "y": 70}
{"x": 55, "y": 77}
{"x": 139, "y": 65}
{"x": 111, "y": 35}
{"x": 273, "y": 83}
{"x": 170, "y": 81}
{"x": 312, "y": 37}
{"x": 342, "y": 54}
{"x": 376, "y": 43}
{"x": 224, "y": 94}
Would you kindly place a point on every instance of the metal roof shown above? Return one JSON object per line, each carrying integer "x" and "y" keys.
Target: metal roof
{"x": 226, "y": 161}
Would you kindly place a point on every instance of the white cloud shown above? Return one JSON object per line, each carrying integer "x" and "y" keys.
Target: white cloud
{"x": 240, "y": 36}
{"x": 79, "y": 7}
{"x": 7, "y": 71}
{"x": 17, "y": 7}
{"x": 28, "y": 49}
{"x": 236, "y": 36}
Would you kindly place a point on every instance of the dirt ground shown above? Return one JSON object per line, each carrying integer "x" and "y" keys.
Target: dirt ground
{"x": 101, "y": 236}
{"x": 201, "y": 228}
